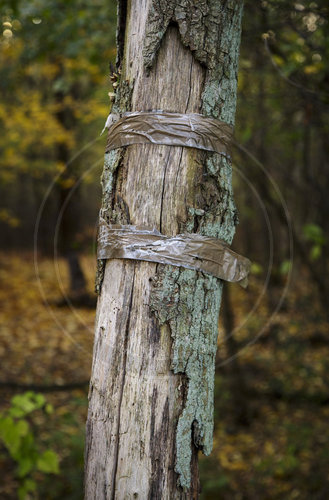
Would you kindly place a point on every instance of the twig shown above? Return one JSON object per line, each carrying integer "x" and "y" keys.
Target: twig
{"x": 8, "y": 384}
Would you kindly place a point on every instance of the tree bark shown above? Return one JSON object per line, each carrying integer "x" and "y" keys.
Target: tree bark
{"x": 151, "y": 390}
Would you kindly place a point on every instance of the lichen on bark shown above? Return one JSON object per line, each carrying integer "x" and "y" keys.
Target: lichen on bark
{"x": 188, "y": 301}
{"x": 112, "y": 162}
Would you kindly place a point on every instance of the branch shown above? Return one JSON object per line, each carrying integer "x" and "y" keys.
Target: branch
{"x": 8, "y": 384}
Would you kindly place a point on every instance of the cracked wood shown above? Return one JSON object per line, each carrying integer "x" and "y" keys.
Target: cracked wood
{"x": 151, "y": 391}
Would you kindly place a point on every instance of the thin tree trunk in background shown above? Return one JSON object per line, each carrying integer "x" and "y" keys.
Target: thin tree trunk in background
{"x": 70, "y": 218}
{"x": 236, "y": 377}
{"x": 151, "y": 390}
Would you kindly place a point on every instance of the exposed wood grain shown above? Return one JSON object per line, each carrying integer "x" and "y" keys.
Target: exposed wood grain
{"x": 136, "y": 399}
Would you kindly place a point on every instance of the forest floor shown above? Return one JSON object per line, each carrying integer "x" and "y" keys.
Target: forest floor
{"x": 271, "y": 436}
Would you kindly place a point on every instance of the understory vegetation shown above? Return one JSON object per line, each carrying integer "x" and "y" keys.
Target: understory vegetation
{"x": 271, "y": 402}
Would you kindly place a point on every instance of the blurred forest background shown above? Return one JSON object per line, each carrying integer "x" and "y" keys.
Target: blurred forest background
{"x": 272, "y": 402}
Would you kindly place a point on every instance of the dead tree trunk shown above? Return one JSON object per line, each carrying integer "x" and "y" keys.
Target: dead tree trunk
{"x": 151, "y": 390}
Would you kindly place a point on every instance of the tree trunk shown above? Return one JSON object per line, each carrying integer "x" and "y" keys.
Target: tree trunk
{"x": 70, "y": 217}
{"x": 151, "y": 390}
{"x": 235, "y": 375}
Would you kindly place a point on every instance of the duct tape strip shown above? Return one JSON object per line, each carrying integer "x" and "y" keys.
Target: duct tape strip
{"x": 170, "y": 129}
{"x": 192, "y": 251}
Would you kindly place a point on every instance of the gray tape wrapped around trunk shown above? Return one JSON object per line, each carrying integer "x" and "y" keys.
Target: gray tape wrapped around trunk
{"x": 172, "y": 129}
{"x": 192, "y": 251}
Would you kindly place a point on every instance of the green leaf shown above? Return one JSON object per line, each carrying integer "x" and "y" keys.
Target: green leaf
{"x": 28, "y": 486}
{"x": 22, "y": 427}
{"x": 48, "y": 462}
{"x": 10, "y": 434}
{"x": 315, "y": 252}
{"x": 314, "y": 233}
{"x": 25, "y": 466}
{"x": 49, "y": 408}
{"x": 5, "y": 424}
{"x": 22, "y": 493}
{"x": 285, "y": 267}
{"x": 256, "y": 268}
{"x": 22, "y": 404}
{"x": 16, "y": 412}
{"x": 40, "y": 400}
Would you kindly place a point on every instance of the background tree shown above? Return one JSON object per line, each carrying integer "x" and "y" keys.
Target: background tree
{"x": 50, "y": 108}
{"x": 286, "y": 78}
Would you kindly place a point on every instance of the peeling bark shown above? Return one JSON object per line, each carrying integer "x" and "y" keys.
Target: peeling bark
{"x": 151, "y": 391}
